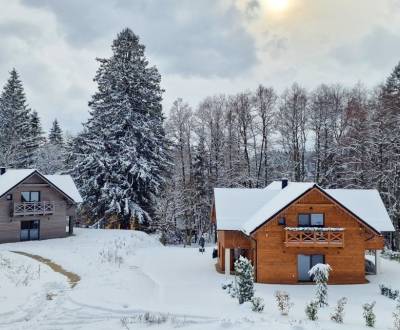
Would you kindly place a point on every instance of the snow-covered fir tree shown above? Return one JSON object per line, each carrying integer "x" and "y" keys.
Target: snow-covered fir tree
{"x": 122, "y": 157}
{"x": 369, "y": 314}
{"x": 320, "y": 275}
{"x": 19, "y": 138}
{"x": 56, "y": 134}
{"x": 245, "y": 279}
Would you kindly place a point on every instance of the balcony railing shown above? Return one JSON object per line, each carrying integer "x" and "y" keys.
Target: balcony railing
{"x": 33, "y": 208}
{"x": 314, "y": 237}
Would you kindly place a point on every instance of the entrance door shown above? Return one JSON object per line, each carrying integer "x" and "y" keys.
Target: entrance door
{"x": 305, "y": 263}
{"x": 30, "y": 230}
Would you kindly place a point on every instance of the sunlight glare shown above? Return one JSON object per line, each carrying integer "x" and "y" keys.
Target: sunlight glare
{"x": 277, "y": 5}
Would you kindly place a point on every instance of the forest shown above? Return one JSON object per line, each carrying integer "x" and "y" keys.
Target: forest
{"x": 134, "y": 161}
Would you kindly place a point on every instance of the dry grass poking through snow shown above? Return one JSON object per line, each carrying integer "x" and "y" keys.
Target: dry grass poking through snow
{"x": 19, "y": 274}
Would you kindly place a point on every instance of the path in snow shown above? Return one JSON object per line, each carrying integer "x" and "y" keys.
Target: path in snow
{"x": 73, "y": 278}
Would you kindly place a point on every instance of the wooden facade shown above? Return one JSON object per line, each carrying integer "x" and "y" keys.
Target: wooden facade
{"x": 53, "y": 220}
{"x": 274, "y": 250}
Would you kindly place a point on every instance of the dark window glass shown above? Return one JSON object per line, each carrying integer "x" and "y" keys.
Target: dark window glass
{"x": 313, "y": 219}
{"x": 317, "y": 219}
{"x": 304, "y": 220}
{"x": 30, "y": 196}
{"x": 25, "y": 196}
{"x": 305, "y": 263}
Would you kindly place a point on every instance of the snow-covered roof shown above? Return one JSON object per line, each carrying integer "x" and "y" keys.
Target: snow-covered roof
{"x": 366, "y": 204}
{"x": 12, "y": 177}
{"x": 64, "y": 183}
{"x": 247, "y": 209}
{"x": 235, "y": 205}
{"x": 283, "y": 198}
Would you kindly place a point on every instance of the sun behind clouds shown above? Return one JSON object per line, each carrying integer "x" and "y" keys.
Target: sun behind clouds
{"x": 276, "y": 5}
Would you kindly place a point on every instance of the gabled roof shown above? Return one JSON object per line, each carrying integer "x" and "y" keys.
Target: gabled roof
{"x": 248, "y": 209}
{"x": 64, "y": 183}
{"x": 235, "y": 204}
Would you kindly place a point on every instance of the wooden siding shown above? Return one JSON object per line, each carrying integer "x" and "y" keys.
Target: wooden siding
{"x": 51, "y": 225}
{"x": 276, "y": 263}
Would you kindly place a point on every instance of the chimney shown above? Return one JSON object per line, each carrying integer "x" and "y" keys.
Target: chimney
{"x": 285, "y": 182}
{"x": 2, "y": 170}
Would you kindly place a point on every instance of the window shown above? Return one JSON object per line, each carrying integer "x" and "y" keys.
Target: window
{"x": 30, "y": 196}
{"x": 9, "y": 197}
{"x": 311, "y": 220}
{"x": 29, "y": 230}
{"x": 305, "y": 263}
{"x": 282, "y": 222}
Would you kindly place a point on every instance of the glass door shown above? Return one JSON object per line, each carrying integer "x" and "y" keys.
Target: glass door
{"x": 305, "y": 263}
{"x": 30, "y": 230}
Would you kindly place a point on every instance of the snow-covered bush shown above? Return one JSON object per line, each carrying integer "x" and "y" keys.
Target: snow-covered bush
{"x": 283, "y": 301}
{"x": 396, "y": 316}
{"x": 230, "y": 289}
{"x": 369, "y": 314}
{"x": 389, "y": 292}
{"x": 320, "y": 275}
{"x": 391, "y": 255}
{"x": 312, "y": 310}
{"x": 245, "y": 279}
{"x": 19, "y": 274}
{"x": 338, "y": 313}
{"x": 257, "y": 304}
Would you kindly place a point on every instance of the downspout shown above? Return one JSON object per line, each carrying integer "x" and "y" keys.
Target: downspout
{"x": 256, "y": 258}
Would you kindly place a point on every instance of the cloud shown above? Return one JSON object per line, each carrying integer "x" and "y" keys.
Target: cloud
{"x": 379, "y": 49}
{"x": 192, "y": 38}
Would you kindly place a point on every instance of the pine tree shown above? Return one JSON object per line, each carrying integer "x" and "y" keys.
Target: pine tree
{"x": 18, "y": 141}
{"x": 320, "y": 275}
{"x": 201, "y": 204}
{"x": 245, "y": 279}
{"x": 123, "y": 152}
{"x": 56, "y": 135}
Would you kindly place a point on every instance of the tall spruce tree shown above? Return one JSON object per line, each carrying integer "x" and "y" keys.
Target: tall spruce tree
{"x": 122, "y": 156}
{"x": 56, "y": 135}
{"x": 18, "y": 142}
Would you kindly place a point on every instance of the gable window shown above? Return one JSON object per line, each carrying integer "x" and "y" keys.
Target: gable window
{"x": 311, "y": 220}
{"x": 30, "y": 196}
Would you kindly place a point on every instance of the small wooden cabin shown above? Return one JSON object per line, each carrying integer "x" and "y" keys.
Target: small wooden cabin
{"x": 288, "y": 227}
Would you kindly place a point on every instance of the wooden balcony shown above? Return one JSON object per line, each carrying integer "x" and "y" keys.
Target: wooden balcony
{"x": 33, "y": 208}
{"x": 314, "y": 237}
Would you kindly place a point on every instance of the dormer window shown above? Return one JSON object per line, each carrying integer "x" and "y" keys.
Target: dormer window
{"x": 311, "y": 220}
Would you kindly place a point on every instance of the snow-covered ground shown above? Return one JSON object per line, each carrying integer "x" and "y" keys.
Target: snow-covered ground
{"x": 125, "y": 274}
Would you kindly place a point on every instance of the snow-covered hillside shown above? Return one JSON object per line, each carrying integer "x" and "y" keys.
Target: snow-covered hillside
{"x": 127, "y": 277}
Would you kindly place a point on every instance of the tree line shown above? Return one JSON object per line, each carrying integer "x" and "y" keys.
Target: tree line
{"x": 134, "y": 167}
{"x": 23, "y": 143}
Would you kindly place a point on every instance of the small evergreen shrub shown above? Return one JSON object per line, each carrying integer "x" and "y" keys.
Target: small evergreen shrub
{"x": 245, "y": 279}
{"x": 338, "y": 313}
{"x": 320, "y": 275}
{"x": 369, "y": 314}
{"x": 230, "y": 289}
{"x": 283, "y": 302}
{"x": 257, "y": 304}
{"x": 387, "y": 291}
{"x": 312, "y": 310}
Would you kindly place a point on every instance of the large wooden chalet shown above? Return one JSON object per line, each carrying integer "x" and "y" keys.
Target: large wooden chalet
{"x": 288, "y": 227}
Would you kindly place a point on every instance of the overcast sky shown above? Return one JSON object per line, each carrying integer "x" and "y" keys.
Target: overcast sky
{"x": 201, "y": 47}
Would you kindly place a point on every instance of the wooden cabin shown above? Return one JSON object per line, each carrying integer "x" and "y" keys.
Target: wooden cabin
{"x": 288, "y": 227}
{"x": 34, "y": 206}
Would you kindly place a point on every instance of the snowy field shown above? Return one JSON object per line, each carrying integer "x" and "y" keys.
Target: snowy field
{"x": 128, "y": 276}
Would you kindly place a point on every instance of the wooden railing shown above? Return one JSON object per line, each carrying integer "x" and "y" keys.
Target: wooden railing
{"x": 314, "y": 237}
{"x": 33, "y": 208}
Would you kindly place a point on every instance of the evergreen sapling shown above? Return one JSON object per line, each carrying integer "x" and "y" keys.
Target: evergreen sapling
{"x": 369, "y": 314}
{"x": 338, "y": 314}
{"x": 245, "y": 279}
{"x": 320, "y": 275}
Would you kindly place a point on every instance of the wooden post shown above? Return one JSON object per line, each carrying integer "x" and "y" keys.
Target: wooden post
{"x": 378, "y": 268}
{"x": 227, "y": 262}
